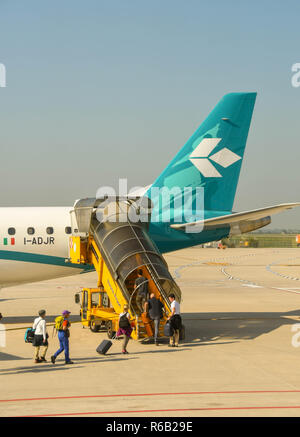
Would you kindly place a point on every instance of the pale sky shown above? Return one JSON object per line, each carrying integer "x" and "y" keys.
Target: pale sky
{"x": 101, "y": 90}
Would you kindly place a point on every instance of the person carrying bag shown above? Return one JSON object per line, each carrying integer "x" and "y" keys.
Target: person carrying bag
{"x": 175, "y": 321}
{"x": 40, "y": 338}
{"x": 125, "y": 328}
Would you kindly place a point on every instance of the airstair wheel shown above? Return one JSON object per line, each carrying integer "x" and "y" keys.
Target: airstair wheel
{"x": 94, "y": 327}
{"x": 110, "y": 332}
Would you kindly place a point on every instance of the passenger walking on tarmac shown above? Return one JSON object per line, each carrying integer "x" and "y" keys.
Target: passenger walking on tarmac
{"x": 175, "y": 320}
{"x": 141, "y": 285}
{"x": 63, "y": 336}
{"x": 40, "y": 337}
{"x": 125, "y": 328}
{"x": 155, "y": 309}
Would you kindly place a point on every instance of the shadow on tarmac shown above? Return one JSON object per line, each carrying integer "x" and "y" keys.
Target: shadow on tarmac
{"x": 42, "y": 367}
{"x": 105, "y": 359}
{"x": 9, "y": 357}
{"x": 29, "y": 319}
{"x": 157, "y": 351}
{"x": 207, "y": 327}
{"x": 45, "y": 368}
{"x": 9, "y": 299}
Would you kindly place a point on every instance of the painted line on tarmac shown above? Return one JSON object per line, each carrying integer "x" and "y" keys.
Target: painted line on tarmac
{"x": 292, "y": 278}
{"x": 206, "y": 262}
{"x": 289, "y": 290}
{"x": 50, "y": 398}
{"x": 245, "y": 281}
{"x": 93, "y": 413}
{"x": 251, "y": 284}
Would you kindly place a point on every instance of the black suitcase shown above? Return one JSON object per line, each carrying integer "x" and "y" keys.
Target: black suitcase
{"x": 168, "y": 330}
{"x": 104, "y": 347}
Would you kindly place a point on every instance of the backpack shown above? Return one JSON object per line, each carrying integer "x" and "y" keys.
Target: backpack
{"x": 59, "y": 323}
{"x": 124, "y": 322}
{"x": 29, "y": 334}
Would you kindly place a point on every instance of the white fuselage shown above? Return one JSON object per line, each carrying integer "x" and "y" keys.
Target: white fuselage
{"x": 34, "y": 244}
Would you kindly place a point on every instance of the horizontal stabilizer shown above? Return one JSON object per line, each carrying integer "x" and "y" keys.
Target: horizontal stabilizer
{"x": 238, "y": 217}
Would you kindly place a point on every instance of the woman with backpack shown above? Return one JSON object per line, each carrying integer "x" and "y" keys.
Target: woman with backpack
{"x": 40, "y": 338}
{"x": 125, "y": 328}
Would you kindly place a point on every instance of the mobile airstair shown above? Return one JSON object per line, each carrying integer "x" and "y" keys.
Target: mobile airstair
{"x": 112, "y": 235}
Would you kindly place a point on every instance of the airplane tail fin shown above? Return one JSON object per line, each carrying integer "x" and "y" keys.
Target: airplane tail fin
{"x": 213, "y": 156}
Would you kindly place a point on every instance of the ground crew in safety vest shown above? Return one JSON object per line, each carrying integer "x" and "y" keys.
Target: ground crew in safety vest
{"x": 62, "y": 325}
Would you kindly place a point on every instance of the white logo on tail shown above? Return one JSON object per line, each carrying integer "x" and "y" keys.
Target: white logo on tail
{"x": 201, "y": 157}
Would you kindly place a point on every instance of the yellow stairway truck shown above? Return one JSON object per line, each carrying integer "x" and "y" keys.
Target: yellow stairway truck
{"x": 117, "y": 247}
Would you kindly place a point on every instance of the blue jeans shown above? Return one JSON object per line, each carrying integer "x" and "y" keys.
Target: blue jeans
{"x": 156, "y": 329}
{"x": 64, "y": 345}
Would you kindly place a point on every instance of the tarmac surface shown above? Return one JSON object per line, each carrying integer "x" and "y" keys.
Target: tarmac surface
{"x": 240, "y": 357}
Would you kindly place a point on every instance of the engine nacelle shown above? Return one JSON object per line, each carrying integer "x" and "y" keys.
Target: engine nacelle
{"x": 249, "y": 225}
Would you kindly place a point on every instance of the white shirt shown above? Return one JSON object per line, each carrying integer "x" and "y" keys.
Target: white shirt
{"x": 39, "y": 325}
{"x": 175, "y": 305}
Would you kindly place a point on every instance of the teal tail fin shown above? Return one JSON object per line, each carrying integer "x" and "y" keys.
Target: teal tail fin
{"x": 213, "y": 156}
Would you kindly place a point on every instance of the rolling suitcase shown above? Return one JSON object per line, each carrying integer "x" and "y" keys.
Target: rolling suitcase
{"x": 104, "y": 347}
{"x": 168, "y": 330}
